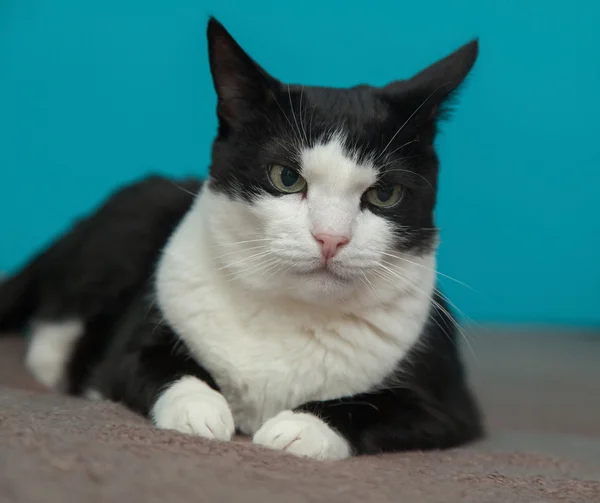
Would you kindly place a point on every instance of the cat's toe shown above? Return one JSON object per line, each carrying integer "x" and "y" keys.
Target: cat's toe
{"x": 303, "y": 435}
{"x": 190, "y": 406}
{"x": 197, "y": 415}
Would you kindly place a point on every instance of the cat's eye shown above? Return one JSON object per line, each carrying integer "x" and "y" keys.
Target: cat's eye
{"x": 286, "y": 180}
{"x": 384, "y": 196}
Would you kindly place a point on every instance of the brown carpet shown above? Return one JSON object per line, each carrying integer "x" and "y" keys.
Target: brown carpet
{"x": 540, "y": 392}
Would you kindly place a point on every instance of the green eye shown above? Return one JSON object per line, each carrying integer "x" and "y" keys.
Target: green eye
{"x": 385, "y": 196}
{"x": 286, "y": 180}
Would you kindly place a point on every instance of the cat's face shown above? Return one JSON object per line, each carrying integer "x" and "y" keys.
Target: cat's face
{"x": 317, "y": 193}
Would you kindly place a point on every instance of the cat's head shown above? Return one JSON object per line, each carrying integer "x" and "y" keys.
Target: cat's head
{"x": 320, "y": 192}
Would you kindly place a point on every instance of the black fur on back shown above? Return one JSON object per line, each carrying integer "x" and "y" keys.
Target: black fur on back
{"x": 96, "y": 269}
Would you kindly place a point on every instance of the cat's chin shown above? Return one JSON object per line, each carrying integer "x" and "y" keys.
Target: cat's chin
{"x": 316, "y": 286}
{"x": 319, "y": 286}
{"x": 323, "y": 274}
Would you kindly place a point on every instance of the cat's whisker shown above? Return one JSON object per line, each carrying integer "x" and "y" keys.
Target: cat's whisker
{"x": 389, "y": 155}
{"x": 431, "y": 317}
{"x": 462, "y": 314}
{"x": 158, "y": 324}
{"x": 253, "y": 269}
{"x": 282, "y": 110}
{"x": 235, "y": 243}
{"x": 459, "y": 328}
{"x": 294, "y": 114}
{"x": 273, "y": 272}
{"x": 274, "y": 269}
{"x": 435, "y": 304}
{"x": 265, "y": 267}
{"x": 242, "y": 250}
{"x": 251, "y": 258}
{"x": 286, "y": 148}
{"x": 184, "y": 189}
{"x": 300, "y": 114}
{"x": 407, "y": 121}
{"x": 447, "y": 299}
{"x": 151, "y": 304}
{"x": 183, "y": 258}
{"x": 396, "y": 161}
{"x": 368, "y": 283}
{"x": 427, "y": 269}
{"x": 312, "y": 114}
{"x": 400, "y": 170}
{"x": 345, "y": 302}
{"x": 278, "y": 270}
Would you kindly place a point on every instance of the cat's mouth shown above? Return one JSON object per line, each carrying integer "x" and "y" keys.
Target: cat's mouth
{"x": 325, "y": 272}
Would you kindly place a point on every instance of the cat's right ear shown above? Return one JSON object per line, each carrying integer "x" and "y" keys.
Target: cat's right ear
{"x": 242, "y": 86}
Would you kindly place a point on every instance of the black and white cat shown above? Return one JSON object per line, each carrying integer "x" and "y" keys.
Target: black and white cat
{"x": 291, "y": 297}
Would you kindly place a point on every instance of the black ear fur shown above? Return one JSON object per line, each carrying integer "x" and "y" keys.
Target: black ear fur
{"x": 242, "y": 86}
{"x": 434, "y": 88}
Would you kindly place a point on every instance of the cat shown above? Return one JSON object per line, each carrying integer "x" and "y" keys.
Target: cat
{"x": 291, "y": 296}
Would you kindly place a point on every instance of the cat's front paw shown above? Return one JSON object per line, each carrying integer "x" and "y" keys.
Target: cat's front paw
{"x": 302, "y": 434}
{"x": 191, "y": 406}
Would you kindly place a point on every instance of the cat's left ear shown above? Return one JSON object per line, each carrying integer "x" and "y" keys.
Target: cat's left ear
{"x": 242, "y": 86}
{"x": 431, "y": 90}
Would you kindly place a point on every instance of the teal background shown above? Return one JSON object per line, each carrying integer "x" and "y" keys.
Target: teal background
{"x": 96, "y": 93}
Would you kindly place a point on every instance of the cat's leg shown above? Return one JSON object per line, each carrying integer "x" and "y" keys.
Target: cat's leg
{"x": 154, "y": 375}
{"x": 390, "y": 420}
{"x": 50, "y": 348}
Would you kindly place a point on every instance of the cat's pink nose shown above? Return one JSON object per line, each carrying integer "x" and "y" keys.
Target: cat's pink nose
{"x": 330, "y": 245}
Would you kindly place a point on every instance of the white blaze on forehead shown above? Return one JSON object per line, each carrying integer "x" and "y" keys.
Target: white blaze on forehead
{"x": 336, "y": 182}
{"x": 327, "y": 166}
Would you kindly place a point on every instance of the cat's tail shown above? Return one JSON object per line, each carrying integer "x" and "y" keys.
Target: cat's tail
{"x": 18, "y": 298}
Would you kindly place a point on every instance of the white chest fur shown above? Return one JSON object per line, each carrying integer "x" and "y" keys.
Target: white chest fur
{"x": 268, "y": 354}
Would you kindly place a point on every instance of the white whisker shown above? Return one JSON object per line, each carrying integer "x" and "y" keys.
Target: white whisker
{"x": 255, "y": 268}
{"x": 286, "y": 148}
{"x": 294, "y": 113}
{"x": 300, "y": 114}
{"x": 427, "y": 269}
{"x": 251, "y": 258}
{"x": 444, "y": 330}
{"x": 368, "y": 284}
{"x": 281, "y": 108}
{"x": 243, "y": 250}
{"x": 183, "y": 189}
{"x": 274, "y": 269}
{"x": 235, "y": 243}
{"x": 407, "y": 121}
{"x": 400, "y": 170}
{"x": 436, "y": 305}
{"x": 390, "y": 154}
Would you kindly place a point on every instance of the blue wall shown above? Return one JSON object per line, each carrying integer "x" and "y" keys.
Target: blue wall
{"x": 96, "y": 93}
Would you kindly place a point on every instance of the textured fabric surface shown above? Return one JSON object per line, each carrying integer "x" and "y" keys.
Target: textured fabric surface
{"x": 540, "y": 393}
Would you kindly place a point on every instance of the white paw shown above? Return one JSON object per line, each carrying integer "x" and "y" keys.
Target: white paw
{"x": 303, "y": 435}
{"x": 191, "y": 406}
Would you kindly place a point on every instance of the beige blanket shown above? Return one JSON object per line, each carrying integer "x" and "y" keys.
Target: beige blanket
{"x": 540, "y": 392}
